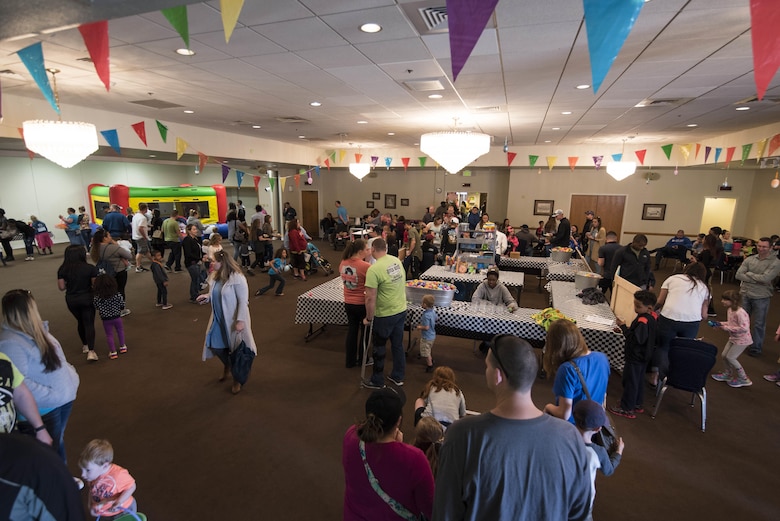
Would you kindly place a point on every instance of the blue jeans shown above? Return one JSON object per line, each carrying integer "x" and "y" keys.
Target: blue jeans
{"x": 74, "y": 236}
{"x": 757, "y": 308}
{"x": 668, "y": 330}
{"x": 55, "y": 421}
{"x": 28, "y": 245}
{"x": 194, "y": 271}
{"x": 389, "y": 328}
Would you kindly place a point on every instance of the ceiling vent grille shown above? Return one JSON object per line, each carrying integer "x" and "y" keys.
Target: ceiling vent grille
{"x": 156, "y": 104}
{"x": 493, "y": 108}
{"x": 433, "y": 17}
{"x": 291, "y": 119}
{"x": 423, "y": 85}
{"x": 662, "y": 102}
{"x": 87, "y": 60}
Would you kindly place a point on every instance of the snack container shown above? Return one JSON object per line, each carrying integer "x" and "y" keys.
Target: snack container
{"x": 441, "y": 297}
{"x": 560, "y": 256}
{"x": 586, "y": 279}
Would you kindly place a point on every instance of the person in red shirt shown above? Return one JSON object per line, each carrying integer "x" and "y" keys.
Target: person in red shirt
{"x": 353, "y": 270}
{"x": 297, "y": 249}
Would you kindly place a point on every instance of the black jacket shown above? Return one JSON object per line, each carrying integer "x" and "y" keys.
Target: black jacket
{"x": 562, "y": 237}
{"x": 633, "y": 268}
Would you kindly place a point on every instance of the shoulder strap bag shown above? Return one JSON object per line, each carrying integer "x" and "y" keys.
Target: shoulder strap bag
{"x": 607, "y": 436}
{"x": 397, "y": 507}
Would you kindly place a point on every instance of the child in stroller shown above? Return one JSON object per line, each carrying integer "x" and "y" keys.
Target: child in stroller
{"x": 314, "y": 260}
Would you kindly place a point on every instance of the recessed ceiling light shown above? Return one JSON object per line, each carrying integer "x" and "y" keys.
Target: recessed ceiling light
{"x": 583, "y": 86}
{"x": 691, "y": 125}
{"x": 256, "y": 126}
{"x": 370, "y": 28}
{"x": 742, "y": 108}
{"x": 301, "y": 137}
{"x": 189, "y": 112}
{"x": 435, "y": 96}
{"x": 152, "y": 155}
{"x": 315, "y": 104}
{"x": 556, "y": 128}
{"x": 566, "y": 112}
{"x": 185, "y": 52}
{"x": 547, "y": 141}
{"x": 362, "y": 122}
{"x": 391, "y": 133}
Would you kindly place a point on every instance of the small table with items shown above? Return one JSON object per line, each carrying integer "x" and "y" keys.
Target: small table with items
{"x": 510, "y": 279}
{"x": 543, "y": 267}
{"x": 565, "y": 271}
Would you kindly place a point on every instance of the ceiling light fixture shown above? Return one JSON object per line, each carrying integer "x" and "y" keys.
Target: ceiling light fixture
{"x": 189, "y": 111}
{"x": 619, "y": 170}
{"x": 315, "y": 104}
{"x": 454, "y": 149}
{"x": 359, "y": 170}
{"x": 370, "y": 28}
{"x": 776, "y": 181}
{"x": 556, "y": 128}
{"x": 256, "y": 126}
{"x": 362, "y": 122}
{"x": 435, "y": 96}
{"x": 566, "y": 112}
{"x": 63, "y": 142}
{"x": 185, "y": 52}
{"x": 742, "y": 108}
{"x": 391, "y": 133}
{"x": 582, "y": 87}
{"x": 692, "y": 125}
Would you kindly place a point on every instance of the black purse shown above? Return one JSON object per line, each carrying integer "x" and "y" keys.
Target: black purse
{"x": 607, "y": 436}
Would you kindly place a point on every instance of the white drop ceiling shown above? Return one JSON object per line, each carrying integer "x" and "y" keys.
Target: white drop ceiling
{"x": 521, "y": 76}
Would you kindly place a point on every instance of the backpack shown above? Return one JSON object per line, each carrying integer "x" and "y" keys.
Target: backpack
{"x": 104, "y": 266}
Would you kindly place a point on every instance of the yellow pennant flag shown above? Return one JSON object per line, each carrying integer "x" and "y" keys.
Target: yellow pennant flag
{"x": 230, "y": 10}
{"x": 761, "y": 149}
{"x": 551, "y": 162}
{"x": 283, "y": 182}
{"x": 686, "y": 151}
{"x": 342, "y": 155}
{"x": 181, "y": 147}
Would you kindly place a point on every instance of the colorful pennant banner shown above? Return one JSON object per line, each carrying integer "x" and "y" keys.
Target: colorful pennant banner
{"x": 95, "y": 36}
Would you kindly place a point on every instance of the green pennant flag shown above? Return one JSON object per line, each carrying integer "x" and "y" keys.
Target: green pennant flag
{"x": 272, "y": 182}
{"x": 667, "y": 150}
{"x": 333, "y": 156}
{"x": 177, "y": 16}
{"x": 163, "y": 131}
{"x": 467, "y": 173}
{"x": 422, "y": 159}
{"x": 745, "y": 152}
{"x": 532, "y": 160}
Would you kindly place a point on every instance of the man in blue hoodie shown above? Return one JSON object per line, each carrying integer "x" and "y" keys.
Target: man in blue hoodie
{"x": 676, "y": 248}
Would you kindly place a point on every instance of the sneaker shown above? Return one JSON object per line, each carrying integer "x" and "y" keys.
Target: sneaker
{"x": 158, "y": 305}
{"x": 29, "y": 258}
{"x": 167, "y": 306}
{"x": 740, "y": 382}
{"x": 754, "y": 353}
{"x": 712, "y": 314}
{"x": 370, "y": 362}
{"x": 84, "y": 349}
{"x": 113, "y": 355}
{"x": 168, "y": 268}
{"x": 771, "y": 378}
{"x": 721, "y": 377}
{"x": 639, "y": 409}
{"x": 368, "y": 384}
{"x": 140, "y": 269}
{"x": 399, "y": 383}
{"x": 622, "y": 412}
{"x": 123, "y": 349}
{"x": 124, "y": 312}
{"x": 92, "y": 356}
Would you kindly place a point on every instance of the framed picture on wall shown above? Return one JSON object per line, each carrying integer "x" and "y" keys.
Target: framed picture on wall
{"x": 404, "y": 202}
{"x": 543, "y": 207}
{"x": 375, "y": 196}
{"x": 653, "y": 212}
{"x": 390, "y": 201}
{"x": 369, "y": 204}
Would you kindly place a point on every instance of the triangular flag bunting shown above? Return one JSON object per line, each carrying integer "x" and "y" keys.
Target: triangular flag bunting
{"x": 374, "y": 160}
{"x": 532, "y": 160}
{"x": 342, "y": 155}
{"x": 686, "y": 151}
{"x": 774, "y": 144}
{"x": 272, "y": 183}
{"x": 95, "y": 37}
{"x": 112, "y": 138}
{"x": 282, "y": 183}
{"x": 467, "y": 173}
{"x": 597, "y": 161}
{"x": 640, "y": 155}
{"x": 297, "y": 178}
{"x": 698, "y": 147}
{"x": 466, "y": 20}
{"x": 551, "y": 162}
{"x": 761, "y": 149}
{"x": 327, "y": 163}
{"x": 140, "y": 131}
{"x": 388, "y": 160}
{"x": 718, "y": 150}
{"x": 225, "y": 172}
{"x": 32, "y": 57}
{"x": 358, "y": 157}
{"x": 163, "y": 131}
{"x": 177, "y": 16}
{"x": 202, "y": 160}
{"x": 256, "y": 180}
{"x": 230, "y": 10}
{"x": 617, "y": 157}
{"x": 667, "y": 150}
{"x": 729, "y": 154}
{"x": 707, "y": 151}
{"x": 422, "y": 161}
{"x": 764, "y": 21}
{"x": 510, "y": 156}
{"x": 405, "y": 161}
{"x": 181, "y": 147}
{"x": 333, "y": 156}
{"x": 573, "y": 162}
{"x": 608, "y": 23}
{"x": 317, "y": 169}
{"x": 746, "y": 152}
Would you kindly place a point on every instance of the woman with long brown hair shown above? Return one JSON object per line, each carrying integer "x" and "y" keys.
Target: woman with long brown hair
{"x": 53, "y": 382}
{"x": 297, "y": 249}
{"x": 230, "y": 322}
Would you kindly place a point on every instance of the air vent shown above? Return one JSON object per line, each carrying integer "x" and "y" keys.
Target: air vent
{"x": 242, "y": 123}
{"x": 87, "y": 60}
{"x": 8, "y": 73}
{"x": 423, "y": 85}
{"x": 291, "y": 119}
{"x": 494, "y": 108}
{"x": 433, "y": 17}
{"x": 156, "y": 104}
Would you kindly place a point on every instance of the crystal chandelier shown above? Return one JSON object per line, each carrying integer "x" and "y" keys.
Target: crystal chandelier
{"x": 619, "y": 170}
{"x": 359, "y": 170}
{"x": 63, "y": 142}
{"x": 454, "y": 150}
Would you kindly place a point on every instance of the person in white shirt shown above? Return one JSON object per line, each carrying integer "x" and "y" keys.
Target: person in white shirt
{"x": 140, "y": 234}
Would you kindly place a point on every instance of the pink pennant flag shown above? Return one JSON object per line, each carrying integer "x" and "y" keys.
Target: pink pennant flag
{"x": 764, "y": 21}
{"x": 140, "y": 130}
{"x": 640, "y": 155}
{"x": 597, "y": 161}
{"x": 510, "y": 156}
{"x": 573, "y": 162}
{"x": 225, "y": 171}
{"x": 466, "y": 20}
{"x": 405, "y": 161}
{"x": 95, "y": 37}
{"x": 202, "y": 160}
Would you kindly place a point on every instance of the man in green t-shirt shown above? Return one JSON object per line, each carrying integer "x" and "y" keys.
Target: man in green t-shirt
{"x": 172, "y": 237}
{"x": 386, "y": 306}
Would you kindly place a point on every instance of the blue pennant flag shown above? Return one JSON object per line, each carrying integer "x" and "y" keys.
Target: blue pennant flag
{"x": 112, "y": 138}
{"x": 32, "y": 57}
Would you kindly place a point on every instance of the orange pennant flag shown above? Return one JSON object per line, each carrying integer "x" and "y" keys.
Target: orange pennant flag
{"x": 573, "y": 162}
{"x": 181, "y": 147}
{"x": 640, "y": 155}
{"x": 510, "y": 156}
{"x": 358, "y": 157}
{"x": 327, "y": 163}
{"x": 202, "y": 160}
{"x": 698, "y": 147}
{"x": 140, "y": 130}
{"x": 230, "y": 10}
{"x": 297, "y": 178}
{"x": 730, "y": 154}
{"x": 95, "y": 37}
{"x": 405, "y": 161}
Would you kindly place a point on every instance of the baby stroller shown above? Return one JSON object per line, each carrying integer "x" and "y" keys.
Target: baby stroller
{"x": 315, "y": 260}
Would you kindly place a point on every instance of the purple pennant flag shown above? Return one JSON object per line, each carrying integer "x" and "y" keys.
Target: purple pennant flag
{"x": 388, "y": 160}
{"x": 466, "y": 19}
{"x": 225, "y": 172}
{"x": 112, "y": 138}
{"x": 707, "y": 151}
{"x": 32, "y": 57}
{"x": 717, "y": 153}
{"x": 597, "y": 161}
{"x": 239, "y": 177}
{"x": 374, "y": 159}
{"x": 617, "y": 157}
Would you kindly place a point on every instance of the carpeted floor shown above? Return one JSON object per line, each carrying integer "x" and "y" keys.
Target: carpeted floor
{"x": 274, "y": 451}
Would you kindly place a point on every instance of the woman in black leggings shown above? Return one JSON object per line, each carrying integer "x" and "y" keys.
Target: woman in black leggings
{"x": 75, "y": 277}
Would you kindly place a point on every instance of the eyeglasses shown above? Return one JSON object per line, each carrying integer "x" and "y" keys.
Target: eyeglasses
{"x": 494, "y": 350}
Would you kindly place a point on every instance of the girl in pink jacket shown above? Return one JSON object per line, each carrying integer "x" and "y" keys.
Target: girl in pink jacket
{"x": 738, "y": 327}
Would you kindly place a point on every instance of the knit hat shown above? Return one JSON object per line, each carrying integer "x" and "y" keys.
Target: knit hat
{"x": 387, "y": 405}
{"x": 589, "y": 415}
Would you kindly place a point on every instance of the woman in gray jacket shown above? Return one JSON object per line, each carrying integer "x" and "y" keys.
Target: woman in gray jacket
{"x": 53, "y": 382}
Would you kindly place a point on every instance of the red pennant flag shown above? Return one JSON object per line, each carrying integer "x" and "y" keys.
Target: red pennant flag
{"x": 764, "y": 20}
{"x": 327, "y": 163}
{"x": 774, "y": 143}
{"x": 358, "y": 157}
{"x": 29, "y": 152}
{"x": 510, "y": 156}
{"x": 297, "y": 178}
{"x": 698, "y": 147}
{"x": 256, "y": 179}
{"x": 640, "y": 155}
{"x": 202, "y": 160}
{"x": 729, "y": 154}
{"x": 405, "y": 161}
{"x": 573, "y": 162}
{"x": 95, "y": 37}
{"x": 140, "y": 129}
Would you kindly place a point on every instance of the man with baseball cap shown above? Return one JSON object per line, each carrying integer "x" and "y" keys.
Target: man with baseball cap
{"x": 562, "y": 237}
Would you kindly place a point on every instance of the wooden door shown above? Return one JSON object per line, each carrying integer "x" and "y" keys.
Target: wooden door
{"x": 310, "y": 212}
{"x": 609, "y": 208}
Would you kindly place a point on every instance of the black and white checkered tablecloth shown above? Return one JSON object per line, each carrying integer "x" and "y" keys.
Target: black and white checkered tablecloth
{"x": 508, "y": 278}
{"x": 599, "y": 336}
{"x": 323, "y": 304}
{"x": 565, "y": 271}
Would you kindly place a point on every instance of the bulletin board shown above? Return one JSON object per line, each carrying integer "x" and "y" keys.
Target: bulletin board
{"x": 622, "y": 301}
